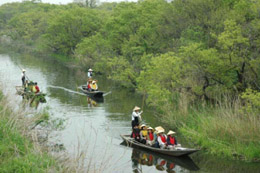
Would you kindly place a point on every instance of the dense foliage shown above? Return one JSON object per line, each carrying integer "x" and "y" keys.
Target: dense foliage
{"x": 182, "y": 54}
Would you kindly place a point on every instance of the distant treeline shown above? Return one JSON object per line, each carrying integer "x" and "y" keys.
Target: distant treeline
{"x": 179, "y": 53}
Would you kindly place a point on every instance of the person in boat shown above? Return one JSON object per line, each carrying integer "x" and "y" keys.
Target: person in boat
{"x": 36, "y": 89}
{"x": 171, "y": 140}
{"x": 90, "y": 71}
{"x": 89, "y": 84}
{"x": 150, "y": 137}
{"x": 23, "y": 77}
{"x": 143, "y": 133}
{"x": 161, "y": 138}
{"x": 156, "y": 145}
{"x": 94, "y": 86}
{"x": 26, "y": 86}
{"x": 136, "y": 116}
{"x": 136, "y": 133}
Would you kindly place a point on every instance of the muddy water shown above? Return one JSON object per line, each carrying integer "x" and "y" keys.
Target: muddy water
{"x": 92, "y": 128}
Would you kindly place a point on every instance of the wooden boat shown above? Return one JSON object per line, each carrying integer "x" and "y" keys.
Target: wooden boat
{"x": 173, "y": 152}
{"x": 30, "y": 95}
{"x": 94, "y": 94}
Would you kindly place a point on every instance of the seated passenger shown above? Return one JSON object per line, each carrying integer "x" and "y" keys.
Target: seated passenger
{"x": 150, "y": 137}
{"x": 143, "y": 133}
{"x": 161, "y": 139}
{"x": 94, "y": 85}
{"x": 171, "y": 140}
{"x": 136, "y": 133}
{"x": 35, "y": 88}
{"x": 89, "y": 85}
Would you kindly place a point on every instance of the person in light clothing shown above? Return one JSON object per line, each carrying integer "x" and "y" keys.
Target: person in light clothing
{"x": 150, "y": 137}
{"x": 90, "y": 73}
{"x": 136, "y": 116}
{"x": 162, "y": 138}
{"x": 143, "y": 133}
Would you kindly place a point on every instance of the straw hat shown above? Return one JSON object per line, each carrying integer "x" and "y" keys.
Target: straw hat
{"x": 143, "y": 125}
{"x": 94, "y": 81}
{"x": 149, "y": 128}
{"x": 171, "y": 132}
{"x": 136, "y": 108}
{"x": 159, "y": 128}
{"x": 90, "y": 70}
{"x": 24, "y": 70}
{"x": 160, "y": 131}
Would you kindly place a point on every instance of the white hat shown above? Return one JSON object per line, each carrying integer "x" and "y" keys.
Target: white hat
{"x": 24, "y": 70}
{"x": 159, "y": 128}
{"x": 171, "y": 132}
{"x": 94, "y": 81}
{"x": 149, "y": 128}
{"x": 136, "y": 108}
{"x": 90, "y": 69}
{"x": 160, "y": 131}
{"x": 143, "y": 125}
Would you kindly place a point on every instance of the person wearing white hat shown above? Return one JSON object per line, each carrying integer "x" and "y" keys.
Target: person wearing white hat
{"x": 23, "y": 77}
{"x": 171, "y": 140}
{"x": 90, "y": 73}
{"x": 143, "y": 133}
{"x": 162, "y": 138}
{"x": 136, "y": 116}
{"x": 150, "y": 137}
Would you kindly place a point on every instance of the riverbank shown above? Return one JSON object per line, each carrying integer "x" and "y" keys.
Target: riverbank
{"x": 222, "y": 130}
{"x": 18, "y": 152}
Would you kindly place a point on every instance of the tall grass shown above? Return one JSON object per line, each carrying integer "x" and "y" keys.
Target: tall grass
{"x": 223, "y": 129}
{"x": 17, "y": 152}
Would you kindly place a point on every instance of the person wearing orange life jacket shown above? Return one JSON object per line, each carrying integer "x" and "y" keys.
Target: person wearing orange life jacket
{"x": 150, "y": 137}
{"x": 162, "y": 139}
{"x": 171, "y": 140}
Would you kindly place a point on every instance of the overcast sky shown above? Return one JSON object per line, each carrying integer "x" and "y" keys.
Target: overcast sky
{"x": 58, "y": 1}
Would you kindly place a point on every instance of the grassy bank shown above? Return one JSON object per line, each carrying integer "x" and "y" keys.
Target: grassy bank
{"x": 18, "y": 153}
{"x": 224, "y": 130}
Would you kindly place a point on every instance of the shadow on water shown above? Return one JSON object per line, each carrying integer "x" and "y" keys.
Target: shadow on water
{"x": 143, "y": 157}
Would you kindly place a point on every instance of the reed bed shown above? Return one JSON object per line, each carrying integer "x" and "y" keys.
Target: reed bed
{"x": 223, "y": 129}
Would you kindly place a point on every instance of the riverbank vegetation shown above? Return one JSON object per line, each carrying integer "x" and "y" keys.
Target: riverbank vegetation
{"x": 197, "y": 61}
{"x": 18, "y": 153}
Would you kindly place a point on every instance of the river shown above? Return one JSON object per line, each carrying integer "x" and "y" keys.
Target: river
{"x": 93, "y": 129}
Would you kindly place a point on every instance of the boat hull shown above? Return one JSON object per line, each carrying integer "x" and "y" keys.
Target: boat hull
{"x": 173, "y": 152}
{"x": 97, "y": 94}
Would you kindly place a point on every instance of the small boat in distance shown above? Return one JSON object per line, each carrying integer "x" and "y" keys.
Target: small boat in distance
{"x": 95, "y": 94}
{"x": 173, "y": 152}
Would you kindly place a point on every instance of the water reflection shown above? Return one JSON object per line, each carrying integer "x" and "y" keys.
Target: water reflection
{"x": 141, "y": 158}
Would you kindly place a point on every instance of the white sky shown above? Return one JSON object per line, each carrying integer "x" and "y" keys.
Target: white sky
{"x": 59, "y": 1}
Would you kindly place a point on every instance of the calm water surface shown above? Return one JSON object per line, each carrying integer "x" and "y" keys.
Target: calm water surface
{"x": 94, "y": 128}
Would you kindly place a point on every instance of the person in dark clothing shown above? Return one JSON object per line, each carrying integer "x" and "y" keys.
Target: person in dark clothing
{"x": 171, "y": 140}
{"x": 136, "y": 133}
{"x": 23, "y": 77}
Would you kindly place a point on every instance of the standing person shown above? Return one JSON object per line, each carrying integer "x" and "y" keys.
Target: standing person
{"x": 136, "y": 116}
{"x": 23, "y": 77}
{"x": 90, "y": 73}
